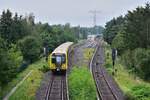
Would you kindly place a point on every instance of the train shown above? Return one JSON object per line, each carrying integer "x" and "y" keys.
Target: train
{"x": 58, "y": 59}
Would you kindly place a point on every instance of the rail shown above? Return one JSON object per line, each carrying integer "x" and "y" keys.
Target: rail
{"x": 104, "y": 88}
{"x": 57, "y": 88}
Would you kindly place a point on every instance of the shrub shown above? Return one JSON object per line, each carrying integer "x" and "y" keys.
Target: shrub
{"x": 138, "y": 60}
{"x": 127, "y": 59}
{"x": 45, "y": 68}
{"x": 15, "y": 54}
{"x": 141, "y": 92}
{"x": 142, "y": 62}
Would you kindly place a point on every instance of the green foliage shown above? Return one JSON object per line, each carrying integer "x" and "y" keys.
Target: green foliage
{"x": 56, "y": 35}
{"x": 5, "y": 25}
{"x": 138, "y": 61}
{"x": 129, "y": 33}
{"x": 15, "y": 54}
{"x": 134, "y": 89}
{"x": 45, "y": 68}
{"x": 29, "y": 87}
{"x": 81, "y": 85}
{"x": 112, "y": 28}
{"x": 127, "y": 59}
{"x": 118, "y": 42}
{"x": 7, "y": 65}
{"x": 30, "y": 47}
{"x": 141, "y": 92}
{"x": 142, "y": 62}
{"x": 13, "y": 28}
{"x": 137, "y": 27}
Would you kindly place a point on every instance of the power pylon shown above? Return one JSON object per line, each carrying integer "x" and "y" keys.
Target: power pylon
{"x": 94, "y": 12}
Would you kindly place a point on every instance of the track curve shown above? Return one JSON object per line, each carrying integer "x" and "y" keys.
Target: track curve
{"x": 107, "y": 88}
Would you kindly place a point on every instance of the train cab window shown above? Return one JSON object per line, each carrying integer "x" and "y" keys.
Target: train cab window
{"x": 53, "y": 59}
{"x": 58, "y": 59}
{"x": 63, "y": 58}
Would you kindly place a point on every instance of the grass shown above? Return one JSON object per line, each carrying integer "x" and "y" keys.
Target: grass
{"x": 27, "y": 90}
{"x": 87, "y": 55}
{"x": 81, "y": 84}
{"x": 135, "y": 89}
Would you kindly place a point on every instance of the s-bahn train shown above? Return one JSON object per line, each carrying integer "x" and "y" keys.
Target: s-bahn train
{"x": 58, "y": 59}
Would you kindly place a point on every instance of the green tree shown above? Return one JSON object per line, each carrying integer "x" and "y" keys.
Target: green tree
{"x": 137, "y": 28}
{"x": 112, "y": 28}
{"x": 6, "y": 26}
{"x": 7, "y": 64}
{"x": 31, "y": 48}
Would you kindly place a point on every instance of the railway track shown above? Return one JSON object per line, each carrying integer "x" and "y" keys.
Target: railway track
{"x": 57, "y": 88}
{"x": 107, "y": 89}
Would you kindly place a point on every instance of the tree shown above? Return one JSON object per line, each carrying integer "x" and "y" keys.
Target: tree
{"x": 6, "y": 26}
{"x": 112, "y": 28}
{"x": 7, "y": 64}
{"x": 137, "y": 28}
{"x": 30, "y": 47}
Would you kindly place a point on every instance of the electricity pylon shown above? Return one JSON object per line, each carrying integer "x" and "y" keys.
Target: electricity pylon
{"x": 94, "y": 12}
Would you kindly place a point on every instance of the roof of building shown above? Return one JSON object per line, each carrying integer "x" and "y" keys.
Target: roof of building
{"x": 63, "y": 48}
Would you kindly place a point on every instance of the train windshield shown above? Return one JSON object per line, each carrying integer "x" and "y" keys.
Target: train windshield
{"x": 58, "y": 59}
{"x": 61, "y": 58}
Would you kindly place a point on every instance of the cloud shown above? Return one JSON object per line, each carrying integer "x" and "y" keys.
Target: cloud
{"x": 73, "y": 11}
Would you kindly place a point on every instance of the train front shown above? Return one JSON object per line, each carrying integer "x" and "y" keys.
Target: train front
{"x": 58, "y": 62}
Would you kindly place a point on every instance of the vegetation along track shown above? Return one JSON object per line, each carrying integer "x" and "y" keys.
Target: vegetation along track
{"x": 57, "y": 88}
{"x": 106, "y": 87}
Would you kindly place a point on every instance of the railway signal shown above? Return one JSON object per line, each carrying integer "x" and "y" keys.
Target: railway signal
{"x": 114, "y": 55}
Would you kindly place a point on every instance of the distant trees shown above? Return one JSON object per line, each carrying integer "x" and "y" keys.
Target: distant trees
{"x": 131, "y": 36}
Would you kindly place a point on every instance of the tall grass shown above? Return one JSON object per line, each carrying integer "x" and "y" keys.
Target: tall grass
{"x": 81, "y": 85}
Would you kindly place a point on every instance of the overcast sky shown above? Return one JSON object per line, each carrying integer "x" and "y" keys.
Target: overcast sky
{"x": 75, "y": 12}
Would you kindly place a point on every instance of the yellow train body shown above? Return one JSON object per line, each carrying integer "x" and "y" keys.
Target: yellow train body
{"x": 58, "y": 59}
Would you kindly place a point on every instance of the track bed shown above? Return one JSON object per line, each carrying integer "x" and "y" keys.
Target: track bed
{"x": 106, "y": 86}
{"x": 53, "y": 87}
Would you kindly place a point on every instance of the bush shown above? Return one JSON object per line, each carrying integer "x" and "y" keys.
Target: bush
{"x": 31, "y": 48}
{"x": 16, "y": 55}
{"x": 127, "y": 59}
{"x": 45, "y": 68}
{"x": 138, "y": 61}
{"x": 142, "y": 62}
{"x": 118, "y": 42}
{"x": 141, "y": 92}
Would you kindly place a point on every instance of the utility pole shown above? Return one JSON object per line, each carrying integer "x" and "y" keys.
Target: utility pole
{"x": 94, "y": 12}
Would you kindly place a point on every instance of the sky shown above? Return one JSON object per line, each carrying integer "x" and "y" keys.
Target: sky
{"x": 75, "y": 12}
